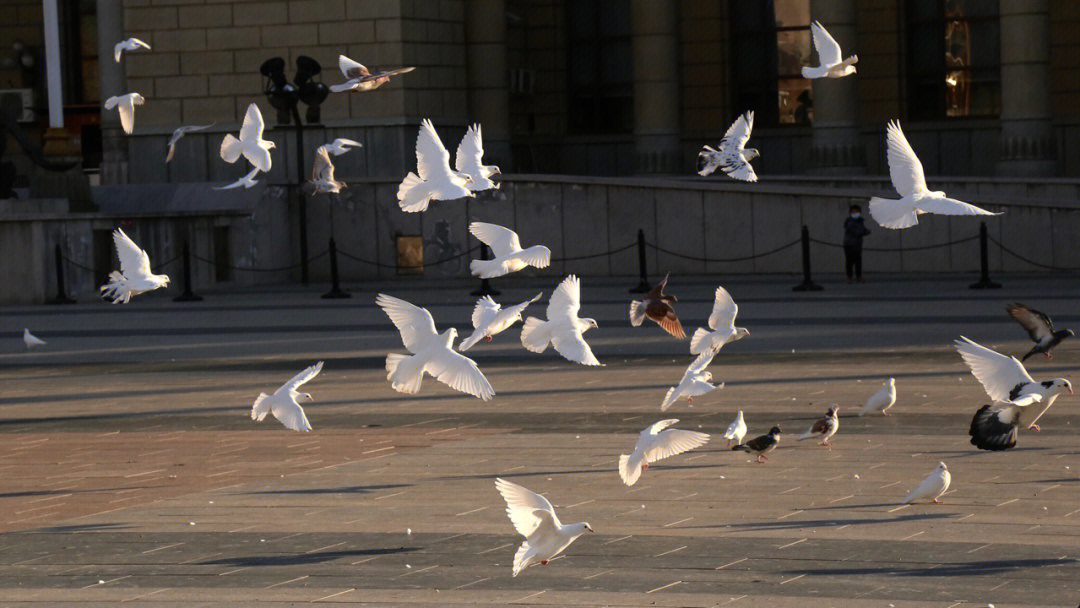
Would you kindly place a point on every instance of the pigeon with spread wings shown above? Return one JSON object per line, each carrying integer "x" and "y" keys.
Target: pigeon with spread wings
{"x": 564, "y": 328}
{"x": 469, "y": 160}
{"x": 732, "y": 156}
{"x": 833, "y": 65}
{"x": 656, "y": 306}
{"x": 125, "y": 104}
{"x": 433, "y": 180}
{"x": 509, "y": 256}
{"x": 284, "y": 404}
{"x": 131, "y": 44}
{"x": 360, "y": 79}
{"x": 534, "y": 518}
{"x": 1039, "y": 327}
{"x": 490, "y": 319}
{"x": 722, "y": 322}
{"x": 134, "y": 276}
{"x": 247, "y": 181}
{"x": 250, "y": 144}
{"x": 656, "y": 443}
{"x": 322, "y": 174}
{"x": 695, "y": 382}
{"x": 178, "y": 134}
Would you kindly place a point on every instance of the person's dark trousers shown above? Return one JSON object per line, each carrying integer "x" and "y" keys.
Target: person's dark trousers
{"x": 853, "y": 260}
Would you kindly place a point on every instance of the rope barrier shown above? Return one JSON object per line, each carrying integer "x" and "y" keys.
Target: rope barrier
{"x": 900, "y": 249}
{"x": 411, "y": 266}
{"x": 1029, "y": 261}
{"x": 94, "y": 271}
{"x": 278, "y": 269}
{"x": 738, "y": 259}
{"x": 594, "y": 255}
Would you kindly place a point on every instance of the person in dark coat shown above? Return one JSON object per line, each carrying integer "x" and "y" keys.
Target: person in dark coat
{"x": 854, "y": 231}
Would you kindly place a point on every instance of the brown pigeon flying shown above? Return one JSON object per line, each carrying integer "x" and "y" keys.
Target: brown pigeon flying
{"x": 1039, "y": 327}
{"x": 657, "y": 307}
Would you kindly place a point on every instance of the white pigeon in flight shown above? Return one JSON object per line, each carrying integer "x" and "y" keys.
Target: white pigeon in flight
{"x": 285, "y": 402}
{"x": 932, "y": 487}
{"x": 247, "y": 181}
{"x": 509, "y": 256}
{"x": 322, "y": 173}
{"x": 732, "y": 157}
{"x": 833, "y": 65}
{"x": 722, "y": 322}
{"x": 432, "y": 353}
{"x": 490, "y": 319}
{"x": 131, "y": 44}
{"x": 340, "y": 146}
{"x": 695, "y": 382}
{"x": 433, "y": 180}
{"x": 882, "y": 400}
{"x": 251, "y": 144}
{"x": 736, "y": 430}
{"x": 564, "y": 328}
{"x": 534, "y": 518}
{"x": 907, "y": 176}
{"x": 656, "y": 443}
{"x": 125, "y": 104}
{"x": 30, "y": 340}
{"x": 179, "y": 133}
{"x": 1006, "y": 380}
{"x": 134, "y": 276}
{"x": 468, "y": 161}
{"x": 360, "y": 79}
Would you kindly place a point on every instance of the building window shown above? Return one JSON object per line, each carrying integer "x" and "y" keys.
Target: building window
{"x": 771, "y": 43}
{"x": 600, "y": 79}
{"x": 953, "y": 57}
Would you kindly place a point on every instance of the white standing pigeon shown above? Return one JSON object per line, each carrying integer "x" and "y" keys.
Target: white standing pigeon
{"x": 932, "y": 487}
{"x": 134, "y": 276}
{"x": 534, "y": 518}
{"x": 490, "y": 319}
{"x": 833, "y": 65}
{"x": 564, "y": 328}
{"x": 285, "y": 402}
{"x": 433, "y": 180}
{"x": 732, "y": 157}
{"x": 322, "y": 174}
{"x": 1006, "y": 380}
{"x": 432, "y": 353}
{"x": 360, "y": 79}
{"x": 246, "y": 181}
{"x": 695, "y": 382}
{"x": 468, "y": 160}
{"x": 251, "y": 144}
{"x": 907, "y": 176}
{"x": 179, "y": 133}
{"x": 131, "y": 44}
{"x": 824, "y": 427}
{"x": 31, "y": 340}
{"x": 340, "y": 146}
{"x": 736, "y": 430}
{"x": 882, "y": 400}
{"x": 722, "y": 322}
{"x": 656, "y": 443}
{"x": 509, "y": 256}
{"x": 125, "y": 104}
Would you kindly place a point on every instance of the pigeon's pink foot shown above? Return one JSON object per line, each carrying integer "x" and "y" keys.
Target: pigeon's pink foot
{"x": 544, "y": 562}
{"x": 826, "y": 442}
{"x": 487, "y": 338}
{"x": 1049, "y": 356}
{"x": 1035, "y": 428}
{"x": 689, "y": 399}
{"x": 886, "y": 414}
{"x": 644, "y": 467}
{"x": 937, "y": 502}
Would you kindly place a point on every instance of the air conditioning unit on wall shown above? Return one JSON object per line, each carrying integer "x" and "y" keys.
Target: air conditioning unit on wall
{"x": 19, "y": 101}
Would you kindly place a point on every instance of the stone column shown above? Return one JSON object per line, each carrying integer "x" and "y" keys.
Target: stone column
{"x": 836, "y": 148}
{"x": 657, "y": 107}
{"x": 113, "y": 81}
{"x": 488, "y": 76}
{"x": 1028, "y": 145}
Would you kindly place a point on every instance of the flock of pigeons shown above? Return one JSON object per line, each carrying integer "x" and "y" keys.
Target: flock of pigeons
{"x": 994, "y": 427}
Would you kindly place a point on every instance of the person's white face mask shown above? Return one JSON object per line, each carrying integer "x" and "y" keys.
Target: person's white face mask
{"x": 856, "y": 216}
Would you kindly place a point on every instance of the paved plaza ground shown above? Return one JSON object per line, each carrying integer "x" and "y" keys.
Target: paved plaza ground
{"x": 130, "y": 470}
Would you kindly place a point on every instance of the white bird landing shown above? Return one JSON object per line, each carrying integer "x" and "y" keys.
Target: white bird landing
{"x": 736, "y": 430}
{"x": 131, "y": 44}
{"x": 534, "y": 518}
{"x": 134, "y": 276}
{"x": 656, "y": 443}
{"x": 251, "y": 144}
{"x": 247, "y": 181}
{"x": 432, "y": 353}
{"x": 490, "y": 319}
{"x": 340, "y": 146}
{"x": 932, "y": 487}
{"x": 732, "y": 157}
{"x": 125, "y": 104}
{"x": 509, "y": 256}
{"x": 695, "y": 382}
{"x": 468, "y": 161}
{"x": 30, "y": 340}
{"x": 433, "y": 180}
{"x": 833, "y": 65}
{"x": 360, "y": 79}
{"x": 285, "y": 402}
{"x": 906, "y": 172}
{"x": 564, "y": 328}
{"x": 882, "y": 400}
{"x": 322, "y": 173}
{"x": 722, "y": 322}
{"x": 179, "y": 133}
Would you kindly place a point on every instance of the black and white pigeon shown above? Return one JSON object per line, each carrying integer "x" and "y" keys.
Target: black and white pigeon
{"x": 1007, "y": 382}
{"x": 1039, "y": 327}
{"x": 994, "y": 427}
{"x": 824, "y": 427}
{"x": 761, "y": 445}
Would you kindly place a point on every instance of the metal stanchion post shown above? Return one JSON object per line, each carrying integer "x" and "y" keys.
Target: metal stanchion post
{"x": 807, "y": 284}
{"x": 643, "y": 286}
{"x": 335, "y": 292}
{"x": 61, "y": 290}
{"x": 984, "y": 260}
{"x": 485, "y": 288}
{"x": 188, "y": 295}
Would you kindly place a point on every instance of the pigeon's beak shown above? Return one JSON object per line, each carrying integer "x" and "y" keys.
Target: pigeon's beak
{"x": 1070, "y": 390}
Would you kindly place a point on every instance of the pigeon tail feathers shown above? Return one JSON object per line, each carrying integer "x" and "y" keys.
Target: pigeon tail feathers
{"x": 485, "y": 269}
{"x": 637, "y": 313}
{"x": 261, "y": 407}
{"x": 894, "y": 214}
{"x": 116, "y": 289}
{"x": 411, "y": 196}
{"x": 535, "y": 334}
{"x": 403, "y": 373}
{"x": 700, "y": 342}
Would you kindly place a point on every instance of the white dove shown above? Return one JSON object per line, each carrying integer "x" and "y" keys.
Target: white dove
{"x": 340, "y": 146}
{"x": 435, "y": 182}
{"x": 251, "y": 143}
{"x": 468, "y": 161}
{"x": 134, "y": 276}
{"x": 695, "y": 382}
{"x": 882, "y": 400}
{"x": 285, "y": 402}
{"x": 932, "y": 487}
{"x": 563, "y": 329}
{"x": 833, "y": 65}
{"x": 432, "y": 353}
{"x": 732, "y": 157}
{"x": 322, "y": 173}
{"x": 534, "y": 518}
{"x": 490, "y": 319}
{"x": 180, "y": 132}
{"x": 1006, "y": 380}
{"x": 246, "y": 181}
{"x": 907, "y": 176}
{"x": 125, "y": 104}
{"x": 509, "y": 256}
{"x": 360, "y": 78}
{"x": 736, "y": 430}
{"x": 656, "y": 443}
{"x": 722, "y": 321}
{"x": 131, "y": 44}
{"x": 31, "y": 340}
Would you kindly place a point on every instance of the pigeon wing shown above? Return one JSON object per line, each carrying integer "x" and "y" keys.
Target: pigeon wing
{"x": 252, "y": 129}
{"x": 292, "y": 417}
{"x": 827, "y": 48}
{"x": 521, "y": 507}
{"x": 470, "y": 152}
{"x": 322, "y": 169}
{"x": 950, "y": 206}
{"x": 432, "y": 158}
{"x": 724, "y": 310}
{"x": 414, "y": 323}
{"x": 670, "y": 323}
{"x": 997, "y": 373}
{"x": 520, "y": 308}
{"x": 571, "y": 344}
{"x": 351, "y": 69}
{"x": 126, "y": 107}
{"x": 905, "y": 169}
{"x": 485, "y": 311}
{"x": 738, "y": 133}
{"x": 1038, "y": 325}
{"x": 674, "y": 441}
{"x": 299, "y": 379}
{"x": 388, "y": 73}
{"x": 565, "y": 302}
{"x": 503, "y": 241}
{"x": 459, "y": 373}
{"x": 134, "y": 262}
